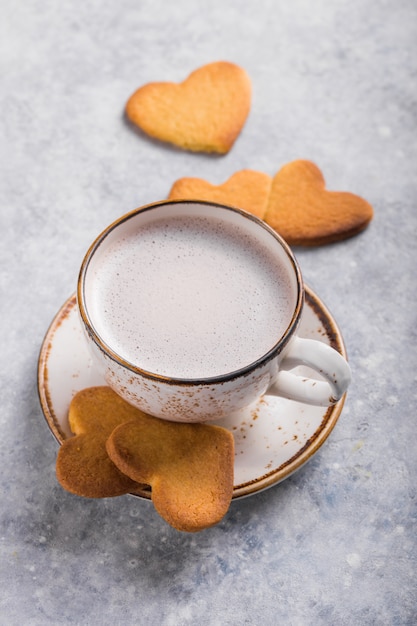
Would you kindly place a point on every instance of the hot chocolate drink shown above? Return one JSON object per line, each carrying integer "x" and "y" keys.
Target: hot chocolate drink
{"x": 190, "y": 296}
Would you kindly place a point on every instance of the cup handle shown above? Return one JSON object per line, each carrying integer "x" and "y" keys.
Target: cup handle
{"x": 322, "y": 358}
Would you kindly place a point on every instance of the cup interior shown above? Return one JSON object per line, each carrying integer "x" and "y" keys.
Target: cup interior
{"x": 252, "y": 232}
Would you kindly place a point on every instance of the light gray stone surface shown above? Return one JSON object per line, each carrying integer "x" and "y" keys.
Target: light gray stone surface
{"x": 333, "y": 81}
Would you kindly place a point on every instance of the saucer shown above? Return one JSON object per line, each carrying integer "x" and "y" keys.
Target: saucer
{"x": 273, "y": 437}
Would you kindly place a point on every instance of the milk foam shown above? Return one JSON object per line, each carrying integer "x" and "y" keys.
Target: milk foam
{"x": 189, "y": 297}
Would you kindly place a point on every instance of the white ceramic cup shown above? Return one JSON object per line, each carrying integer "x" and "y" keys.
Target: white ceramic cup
{"x": 211, "y": 395}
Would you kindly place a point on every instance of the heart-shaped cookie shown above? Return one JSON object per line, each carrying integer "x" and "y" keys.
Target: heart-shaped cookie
{"x": 189, "y": 467}
{"x": 204, "y": 113}
{"x": 305, "y": 213}
{"x": 247, "y": 189}
{"x": 294, "y": 202}
{"x": 83, "y": 466}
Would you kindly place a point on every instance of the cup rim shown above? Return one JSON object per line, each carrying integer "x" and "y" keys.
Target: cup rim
{"x": 221, "y": 378}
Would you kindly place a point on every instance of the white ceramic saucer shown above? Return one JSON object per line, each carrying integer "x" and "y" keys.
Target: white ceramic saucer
{"x": 273, "y": 437}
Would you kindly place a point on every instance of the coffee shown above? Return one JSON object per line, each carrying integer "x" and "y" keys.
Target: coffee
{"x": 190, "y": 296}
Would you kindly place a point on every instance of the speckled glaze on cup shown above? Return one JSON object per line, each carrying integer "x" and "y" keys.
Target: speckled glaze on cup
{"x": 211, "y": 398}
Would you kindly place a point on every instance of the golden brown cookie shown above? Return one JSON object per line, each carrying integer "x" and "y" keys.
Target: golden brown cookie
{"x": 189, "y": 467}
{"x": 246, "y": 189}
{"x": 305, "y": 213}
{"x": 204, "y": 113}
{"x": 83, "y": 466}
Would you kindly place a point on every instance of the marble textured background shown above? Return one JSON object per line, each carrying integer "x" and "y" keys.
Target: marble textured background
{"x": 333, "y": 81}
